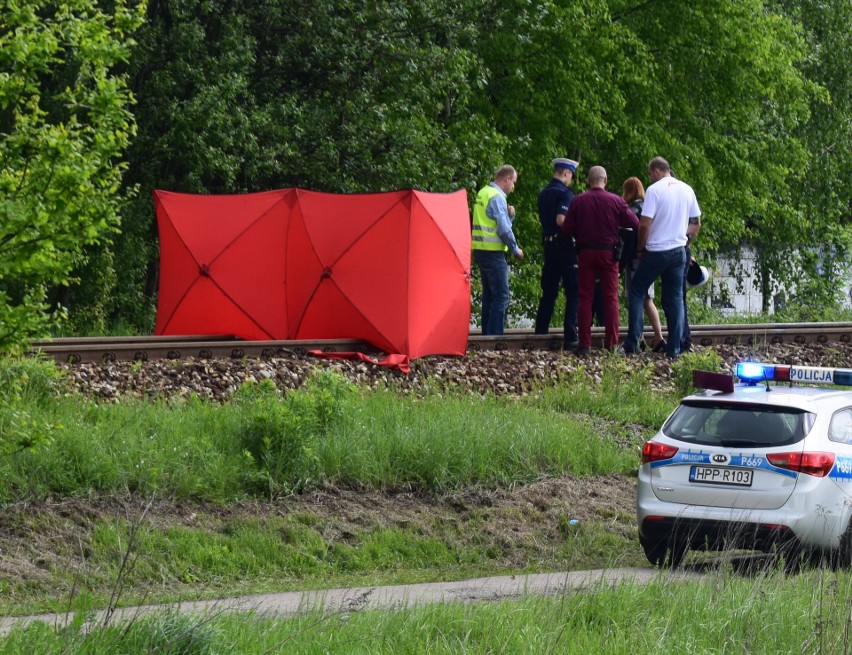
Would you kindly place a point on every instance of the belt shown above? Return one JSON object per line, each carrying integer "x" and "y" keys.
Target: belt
{"x": 595, "y": 246}
{"x": 552, "y": 237}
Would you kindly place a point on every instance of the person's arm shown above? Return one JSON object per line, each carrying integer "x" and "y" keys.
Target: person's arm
{"x": 499, "y": 211}
{"x": 642, "y": 237}
{"x": 567, "y": 225}
{"x": 563, "y": 208}
{"x": 692, "y": 229}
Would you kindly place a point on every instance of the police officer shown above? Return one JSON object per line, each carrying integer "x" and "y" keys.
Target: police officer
{"x": 560, "y": 256}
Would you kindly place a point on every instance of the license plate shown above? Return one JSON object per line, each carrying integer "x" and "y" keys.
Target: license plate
{"x": 717, "y": 475}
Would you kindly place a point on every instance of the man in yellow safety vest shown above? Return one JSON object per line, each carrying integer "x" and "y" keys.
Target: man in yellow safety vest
{"x": 491, "y": 238}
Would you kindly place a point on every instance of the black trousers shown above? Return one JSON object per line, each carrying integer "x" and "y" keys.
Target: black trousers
{"x": 559, "y": 269}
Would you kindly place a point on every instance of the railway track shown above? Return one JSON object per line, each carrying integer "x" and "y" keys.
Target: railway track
{"x": 111, "y": 349}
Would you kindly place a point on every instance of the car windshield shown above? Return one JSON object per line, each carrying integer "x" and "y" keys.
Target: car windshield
{"x": 738, "y": 424}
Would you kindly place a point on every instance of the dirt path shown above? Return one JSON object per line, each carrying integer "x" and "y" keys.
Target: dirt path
{"x": 336, "y": 601}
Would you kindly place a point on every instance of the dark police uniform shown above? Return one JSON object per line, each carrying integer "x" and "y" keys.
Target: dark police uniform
{"x": 560, "y": 262}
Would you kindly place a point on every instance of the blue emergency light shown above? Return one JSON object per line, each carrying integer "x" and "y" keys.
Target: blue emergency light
{"x": 754, "y": 372}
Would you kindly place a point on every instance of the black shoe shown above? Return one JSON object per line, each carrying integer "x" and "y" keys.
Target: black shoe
{"x": 581, "y": 352}
{"x": 570, "y": 345}
{"x": 686, "y": 347}
{"x": 660, "y": 346}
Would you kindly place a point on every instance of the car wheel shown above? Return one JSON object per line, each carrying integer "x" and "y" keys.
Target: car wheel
{"x": 841, "y": 557}
{"x": 665, "y": 554}
{"x": 795, "y": 557}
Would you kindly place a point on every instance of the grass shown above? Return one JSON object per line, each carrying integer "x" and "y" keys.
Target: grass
{"x": 333, "y": 433}
{"x": 222, "y": 554}
{"x": 445, "y": 443}
{"x": 265, "y": 445}
{"x": 727, "y": 612}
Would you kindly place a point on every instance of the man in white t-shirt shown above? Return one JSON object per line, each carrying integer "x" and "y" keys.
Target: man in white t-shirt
{"x": 669, "y": 222}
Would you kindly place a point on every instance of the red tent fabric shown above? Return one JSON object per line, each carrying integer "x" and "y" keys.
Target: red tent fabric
{"x": 391, "y": 269}
{"x": 222, "y": 264}
{"x": 395, "y": 362}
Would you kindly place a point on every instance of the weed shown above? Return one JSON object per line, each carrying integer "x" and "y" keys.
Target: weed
{"x": 27, "y": 385}
{"x": 282, "y": 437}
{"x": 682, "y": 367}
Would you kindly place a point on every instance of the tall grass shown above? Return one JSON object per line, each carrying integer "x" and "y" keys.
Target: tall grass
{"x": 266, "y": 444}
{"x": 441, "y": 443}
{"x": 623, "y": 394}
{"x": 725, "y": 613}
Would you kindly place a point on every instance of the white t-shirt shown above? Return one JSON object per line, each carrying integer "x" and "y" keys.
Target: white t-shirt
{"x": 670, "y": 203}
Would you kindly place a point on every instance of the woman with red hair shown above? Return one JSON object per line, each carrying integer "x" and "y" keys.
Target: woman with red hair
{"x": 634, "y": 195}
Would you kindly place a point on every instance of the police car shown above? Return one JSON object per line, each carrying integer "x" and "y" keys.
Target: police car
{"x": 761, "y": 464}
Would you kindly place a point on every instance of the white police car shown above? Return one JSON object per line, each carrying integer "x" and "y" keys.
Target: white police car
{"x": 754, "y": 465}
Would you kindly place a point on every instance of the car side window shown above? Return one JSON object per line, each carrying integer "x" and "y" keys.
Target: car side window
{"x": 841, "y": 426}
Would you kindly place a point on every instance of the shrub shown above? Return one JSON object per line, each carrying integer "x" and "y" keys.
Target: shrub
{"x": 25, "y": 381}
{"x": 29, "y": 379}
{"x": 281, "y": 436}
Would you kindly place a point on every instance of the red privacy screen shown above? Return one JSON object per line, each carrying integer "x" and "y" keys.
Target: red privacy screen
{"x": 391, "y": 269}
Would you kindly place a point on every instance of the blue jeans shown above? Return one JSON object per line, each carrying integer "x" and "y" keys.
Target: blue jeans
{"x": 495, "y": 289}
{"x": 668, "y": 266}
{"x": 686, "y": 336}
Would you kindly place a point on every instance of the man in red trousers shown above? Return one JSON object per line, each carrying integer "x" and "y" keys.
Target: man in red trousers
{"x": 593, "y": 219}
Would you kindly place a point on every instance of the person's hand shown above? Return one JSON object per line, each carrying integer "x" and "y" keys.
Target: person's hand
{"x": 519, "y": 254}
{"x": 511, "y": 211}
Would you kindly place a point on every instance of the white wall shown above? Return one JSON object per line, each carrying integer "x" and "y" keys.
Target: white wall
{"x": 746, "y": 298}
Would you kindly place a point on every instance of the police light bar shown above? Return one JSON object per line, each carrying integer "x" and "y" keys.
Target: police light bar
{"x": 754, "y": 372}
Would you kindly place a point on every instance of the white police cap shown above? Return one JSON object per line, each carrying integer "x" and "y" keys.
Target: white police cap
{"x": 562, "y": 162}
{"x": 696, "y": 275}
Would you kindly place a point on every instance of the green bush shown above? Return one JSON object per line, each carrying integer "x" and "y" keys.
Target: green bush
{"x": 26, "y": 382}
{"x": 281, "y": 436}
{"x": 35, "y": 380}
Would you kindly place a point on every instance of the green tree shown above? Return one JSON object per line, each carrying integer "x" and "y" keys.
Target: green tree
{"x": 821, "y": 191}
{"x": 728, "y": 98}
{"x": 354, "y": 96}
{"x": 64, "y": 123}
{"x": 715, "y": 87}
{"x": 333, "y": 95}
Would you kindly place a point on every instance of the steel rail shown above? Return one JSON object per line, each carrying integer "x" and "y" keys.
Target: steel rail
{"x": 73, "y": 350}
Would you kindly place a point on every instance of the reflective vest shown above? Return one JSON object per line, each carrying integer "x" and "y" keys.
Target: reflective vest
{"x": 484, "y": 235}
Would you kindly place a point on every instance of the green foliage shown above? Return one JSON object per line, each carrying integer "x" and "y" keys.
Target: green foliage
{"x": 334, "y": 96}
{"x": 64, "y": 122}
{"x": 716, "y": 88}
{"x": 282, "y": 437}
{"x": 440, "y": 443}
{"x": 29, "y": 380}
{"x": 682, "y": 367}
{"x": 26, "y": 385}
{"x": 820, "y": 190}
{"x": 266, "y": 444}
{"x": 186, "y": 450}
{"x": 167, "y": 633}
{"x": 748, "y": 99}
{"x": 621, "y": 394}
